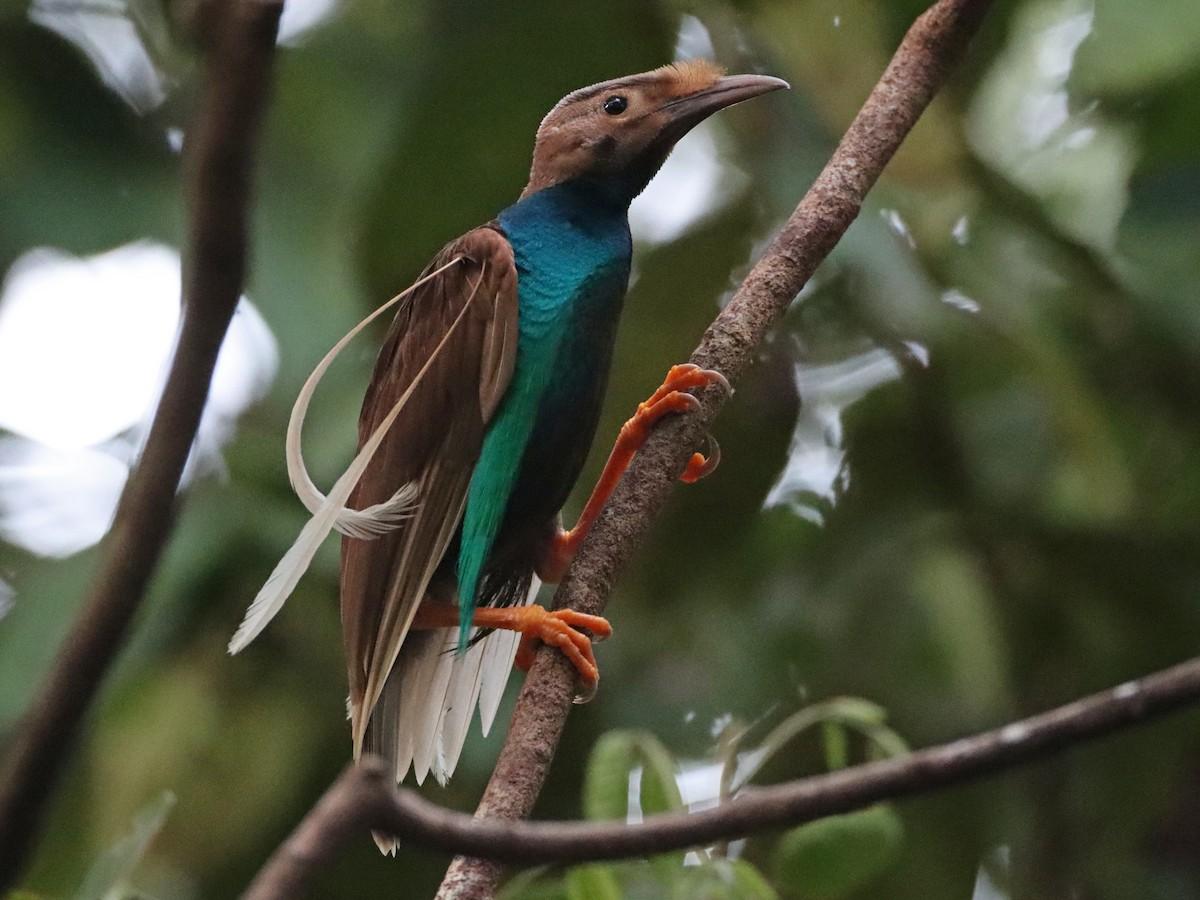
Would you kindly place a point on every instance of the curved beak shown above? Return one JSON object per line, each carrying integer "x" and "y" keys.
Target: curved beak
{"x": 727, "y": 90}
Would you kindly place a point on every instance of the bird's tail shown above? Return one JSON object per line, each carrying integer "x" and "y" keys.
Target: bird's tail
{"x": 424, "y": 711}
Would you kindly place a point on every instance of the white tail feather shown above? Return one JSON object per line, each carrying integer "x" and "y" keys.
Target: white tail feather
{"x": 356, "y": 523}
{"x": 461, "y": 696}
{"x": 497, "y": 666}
{"x": 424, "y": 712}
{"x": 295, "y": 562}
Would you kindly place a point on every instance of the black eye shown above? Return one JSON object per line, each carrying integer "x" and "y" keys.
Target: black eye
{"x": 615, "y": 105}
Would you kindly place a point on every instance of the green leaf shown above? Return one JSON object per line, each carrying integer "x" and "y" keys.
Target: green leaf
{"x": 606, "y": 781}
{"x": 593, "y": 882}
{"x": 659, "y": 794}
{"x": 837, "y": 750}
{"x": 723, "y": 879}
{"x": 534, "y": 884}
{"x": 1134, "y": 47}
{"x": 108, "y": 878}
{"x": 853, "y": 711}
{"x": 660, "y": 790}
{"x": 747, "y": 882}
{"x": 833, "y": 857}
{"x": 887, "y": 742}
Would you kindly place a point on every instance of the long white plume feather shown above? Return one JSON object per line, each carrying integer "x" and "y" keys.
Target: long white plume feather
{"x": 295, "y": 562}
{"x": 356, "y": 523}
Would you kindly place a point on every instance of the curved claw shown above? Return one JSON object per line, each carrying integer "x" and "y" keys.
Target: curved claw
{"x": 715, "y": 377}
{"x": 684, "y": 376}
{"x": 587, "y": 692}
{"x": 701, "y": 465}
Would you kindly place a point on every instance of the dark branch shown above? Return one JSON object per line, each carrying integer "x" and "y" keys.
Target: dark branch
{"x": 934, "y": 44}
{"x": 364, "y": 797}
{"x": 218, "y": 167}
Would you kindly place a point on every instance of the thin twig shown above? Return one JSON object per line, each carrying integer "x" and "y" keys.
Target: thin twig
{"x": 919, "y": 68}
{"x": 364, "y": 796}
{"x": 218, "y": 163}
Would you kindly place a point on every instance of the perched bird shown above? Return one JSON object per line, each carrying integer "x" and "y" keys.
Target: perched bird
{"x": 477, "y": 421}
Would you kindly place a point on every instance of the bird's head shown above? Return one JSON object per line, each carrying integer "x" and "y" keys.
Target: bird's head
{"x": 619, "y": 132}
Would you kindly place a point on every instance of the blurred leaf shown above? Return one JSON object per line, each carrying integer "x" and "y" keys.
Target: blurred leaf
{"x": 836, "y": 746}
{"x": 660, "y": 790}
{"x": 1073, "y": 158}
{"x": 886, "y": 742}
{"x": 659, "y": 793}
{"x": 606, "y": 781}
{"x": 833, "y": 857}
{"x": 597, "y": 881}
{"x": 747, "y": 882}
{"x": 534, "y": 884}
{"x": 108, "y": 879}
{"x": 722, "y": 879}
{"x": 1136, "y": 45}
{"x": 856, "y": 713}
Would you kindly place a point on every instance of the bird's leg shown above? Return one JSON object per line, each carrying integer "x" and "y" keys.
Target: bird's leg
{"x": 559, "y": 628}
{"x": 669, "y": 398}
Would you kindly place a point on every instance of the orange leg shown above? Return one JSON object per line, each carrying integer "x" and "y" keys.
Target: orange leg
{"x": 669, "y": 398}
{"x": 559, "y": 628}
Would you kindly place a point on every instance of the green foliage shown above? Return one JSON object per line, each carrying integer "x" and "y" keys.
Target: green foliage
{"x": 606, "y": 783}
{"x": 108, "y": 878}
{"x": 823, "y": 859}
{"x": 593, "y": 882}
{"x": 833, "y": 719}
{"x": 833, "y": 857}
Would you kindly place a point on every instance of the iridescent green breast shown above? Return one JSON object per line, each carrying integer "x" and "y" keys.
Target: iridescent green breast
{"x": 572, "y": 252}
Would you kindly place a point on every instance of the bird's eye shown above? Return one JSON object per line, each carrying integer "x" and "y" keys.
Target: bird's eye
{"x": 615, "y": 105}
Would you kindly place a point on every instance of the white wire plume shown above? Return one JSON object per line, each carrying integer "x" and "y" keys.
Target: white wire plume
{"x": 330, "y": 512}
{"x": 356, "y": 523}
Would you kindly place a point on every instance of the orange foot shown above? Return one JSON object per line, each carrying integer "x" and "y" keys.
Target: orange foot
{"x": 669, "y": 398}
{"x": 559, "y": 628}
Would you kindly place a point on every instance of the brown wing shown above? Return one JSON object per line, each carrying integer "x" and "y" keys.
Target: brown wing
{"x": 433, "y": 445}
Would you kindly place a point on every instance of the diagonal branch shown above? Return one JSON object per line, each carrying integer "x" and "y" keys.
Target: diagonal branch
{"x": 218, "y": 169}
{"x": 364, "y": 796}
{"x": 919, "y": 68}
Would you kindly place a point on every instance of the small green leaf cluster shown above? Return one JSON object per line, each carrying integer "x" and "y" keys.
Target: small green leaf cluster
{"x": 631, "y": 774}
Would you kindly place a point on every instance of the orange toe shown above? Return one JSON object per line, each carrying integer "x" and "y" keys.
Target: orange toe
{"x": 564, "y": 630}
{"x": 702, "y": 465}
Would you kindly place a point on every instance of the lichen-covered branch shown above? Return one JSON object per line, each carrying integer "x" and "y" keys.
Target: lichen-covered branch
{"x": 364, "y": 796}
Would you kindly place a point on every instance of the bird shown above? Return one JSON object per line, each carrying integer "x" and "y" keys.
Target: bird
{"x": 475, "y": 425}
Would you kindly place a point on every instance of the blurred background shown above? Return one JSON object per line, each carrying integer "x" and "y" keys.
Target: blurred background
{"x": 961, "y": 482}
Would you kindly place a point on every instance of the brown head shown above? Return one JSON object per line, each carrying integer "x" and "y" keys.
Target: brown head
{"x": 620, "y": 132}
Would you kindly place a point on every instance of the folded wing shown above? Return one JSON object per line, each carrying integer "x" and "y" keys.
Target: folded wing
{"x": 469, "y": 315}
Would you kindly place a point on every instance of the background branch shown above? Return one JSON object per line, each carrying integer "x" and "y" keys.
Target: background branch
{"x": 916, "y": 72}
{"x": 364, "y": 796}
{"x": 218, "y": 162}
